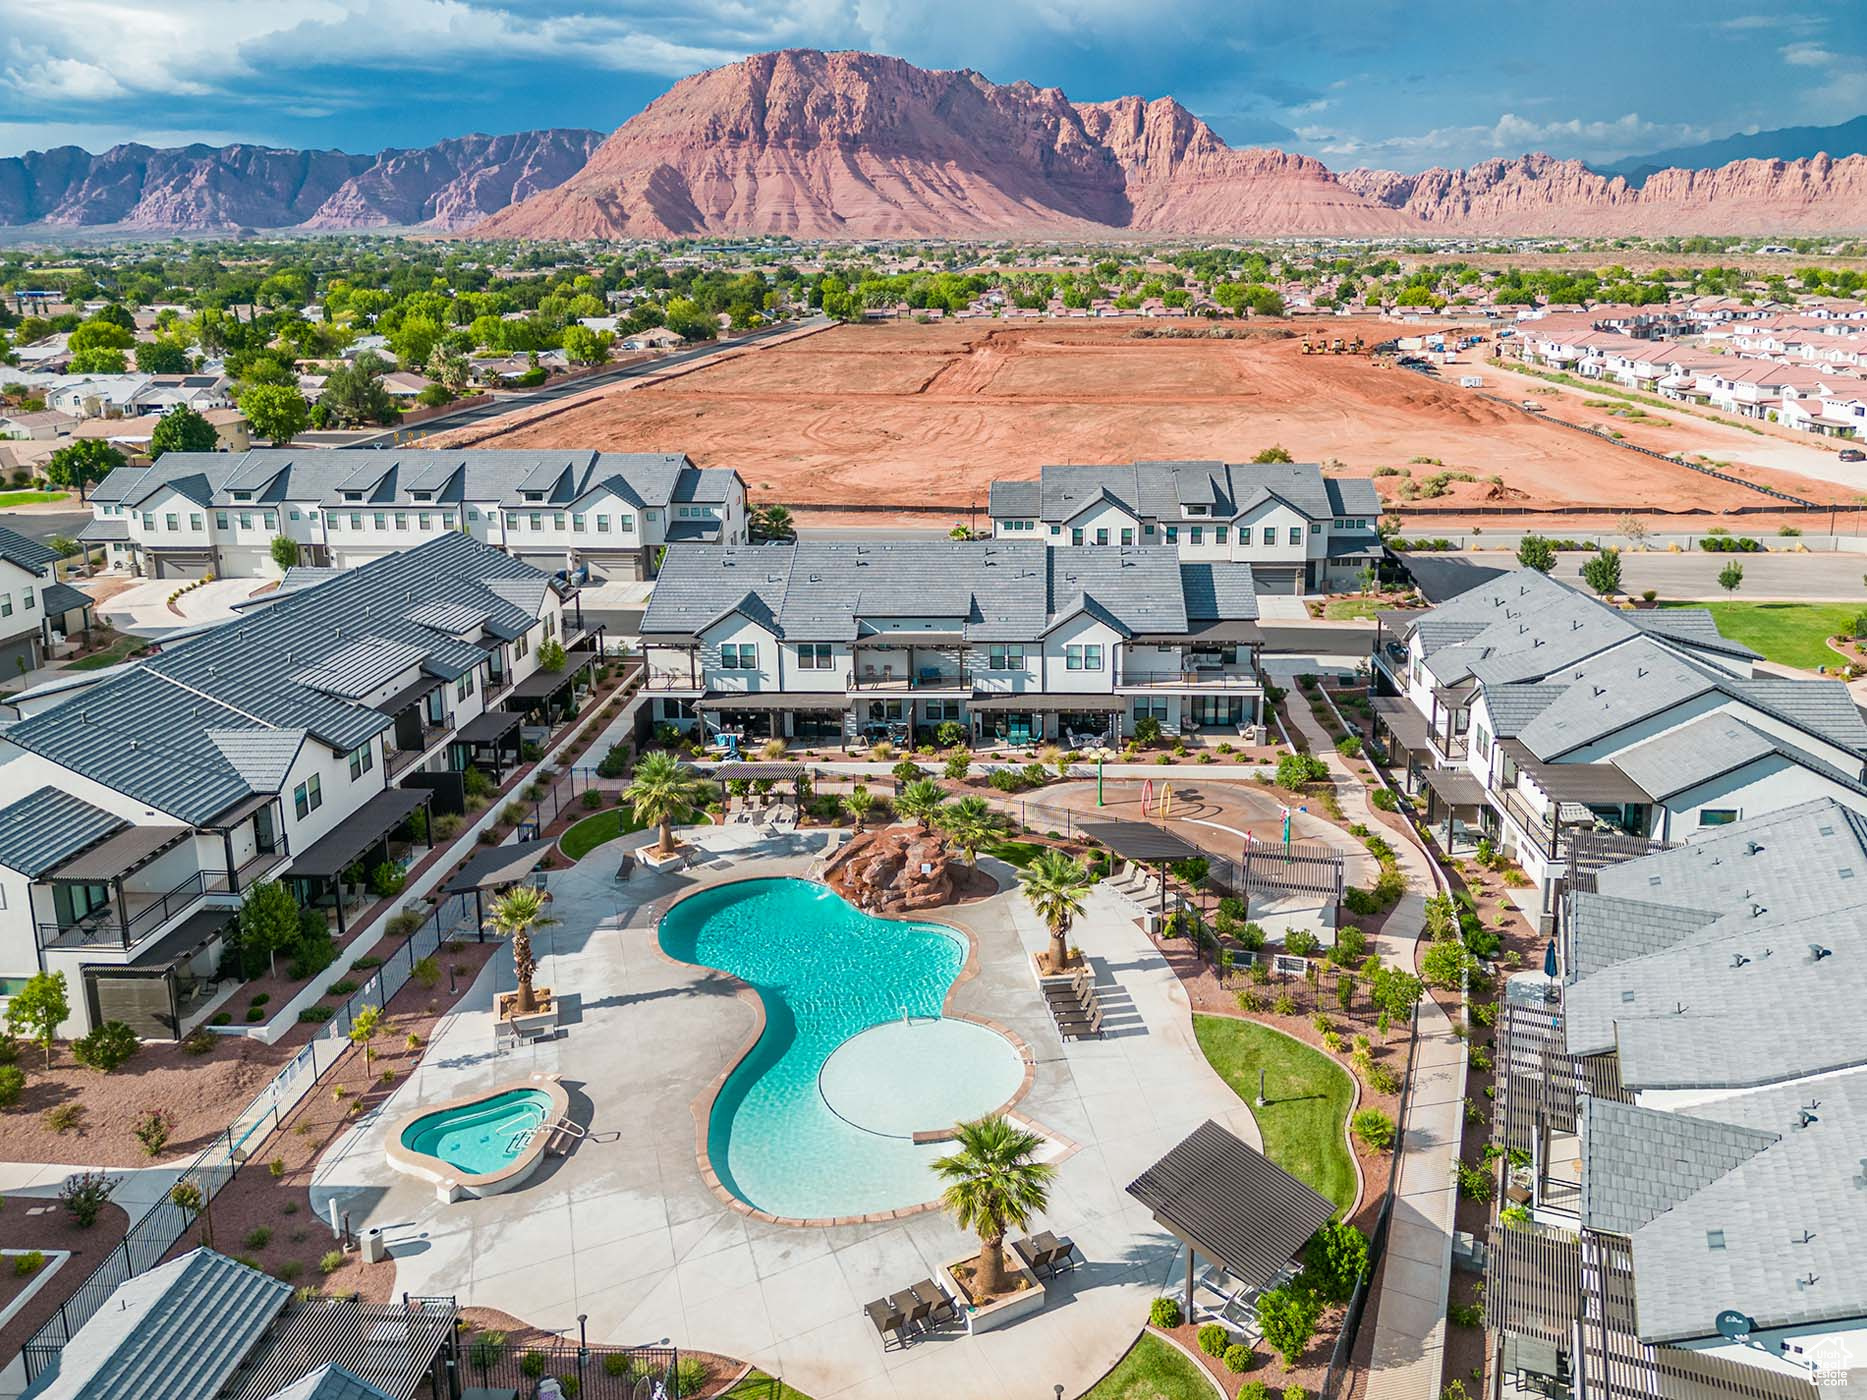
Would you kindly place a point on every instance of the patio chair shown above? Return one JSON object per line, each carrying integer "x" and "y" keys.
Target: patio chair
{"x": 1079, "y": 1027}
{"x": 1030, "y": 1255}
{"x": 916, "y": 1308}
{"x": 940, "y": 1306}
{"x": 1062, "y": 1258}
{"x": 888, "y": 1319}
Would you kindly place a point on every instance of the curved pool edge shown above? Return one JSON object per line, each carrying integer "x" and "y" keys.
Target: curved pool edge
{"x": 702, "y": 1105}
{"x": 449, "y": 1181}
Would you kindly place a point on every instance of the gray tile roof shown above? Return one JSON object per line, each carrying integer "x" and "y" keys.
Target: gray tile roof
{"x": 1219, "y": 591}
{"x": 330, "y": 1382}
{"x": 147, "y": 732}
{"x": 1822, "y": 707}
{"x": 46, "y": 826}
{"x": 357, "y": 668}
{"x": 1159, "y": 490}
{"x": 1513, "y": 706}
{"x": 1605, "y": 929}
{"x": 1692, "y": 754}
{"x": 1695, "y": 626}
{"x": 992, "y": 590}
{"x": 29, "y": 554}
{"x": 1606, "y": 693}
{"x": 60, "y": 598}
{"x": 262, "y": 757}
{"x": 1780, "y": 1235}
{"x": 1638, "y": 1163}
{"x": 177, "y": 1332}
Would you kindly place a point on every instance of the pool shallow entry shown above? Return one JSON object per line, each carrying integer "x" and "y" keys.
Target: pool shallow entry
{"x": 818, "y": 1119}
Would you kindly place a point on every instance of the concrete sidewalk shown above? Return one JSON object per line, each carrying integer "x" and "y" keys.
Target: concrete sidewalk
{"x": 1412, "y": 1284}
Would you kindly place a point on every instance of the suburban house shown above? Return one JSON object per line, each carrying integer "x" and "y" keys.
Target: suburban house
{"x": 1300, "y": 531}
{"x": 608, "y": 514}
{"x": 37, "y": 612}
{"x": 1682, "y": 1113}
{"x": 293, "y": 742}
{"x": 1534, "y": 716}
{"x": 1014, "y": 641}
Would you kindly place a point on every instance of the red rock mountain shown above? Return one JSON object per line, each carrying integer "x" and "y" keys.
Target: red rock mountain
{"x": 447, "y": 185}
{"x": 861, "y": 145}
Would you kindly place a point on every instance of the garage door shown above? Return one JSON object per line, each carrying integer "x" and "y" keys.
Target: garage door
{"x": 184, "y": 566}
{"x": 625, "y": 568}
{"x": 1277, "y": 580}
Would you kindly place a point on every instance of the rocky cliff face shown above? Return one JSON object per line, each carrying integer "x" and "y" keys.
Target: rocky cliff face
{"x": 1538, "y": 194}
{"x": 447, "y": 185}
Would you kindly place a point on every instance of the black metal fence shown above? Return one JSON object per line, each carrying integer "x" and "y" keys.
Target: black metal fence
{"x": 541, "y": 801}
{"x": 488, "y": 1361}
{"x": 150, "y": 1237}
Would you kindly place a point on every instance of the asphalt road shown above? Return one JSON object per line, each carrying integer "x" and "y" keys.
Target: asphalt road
{"x": 510, "y": 403}
{"x": 1803, "y": 577}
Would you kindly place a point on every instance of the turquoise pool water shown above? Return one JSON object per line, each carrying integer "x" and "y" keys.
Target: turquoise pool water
{"x": 827, "y": 972}
{"x": 479, "y": 1137}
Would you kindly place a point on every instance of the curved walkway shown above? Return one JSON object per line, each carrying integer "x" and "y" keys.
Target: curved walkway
{"x": 1409, "y": 1301}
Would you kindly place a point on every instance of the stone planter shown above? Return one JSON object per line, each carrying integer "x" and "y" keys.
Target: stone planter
{"x": 655, "y": 860}
{"x": 1002, "y": 1313}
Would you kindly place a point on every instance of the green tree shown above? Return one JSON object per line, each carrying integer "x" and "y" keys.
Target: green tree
{"x": 450, "y": 370}
{"x": 994, "y": 1183}
{"x": 368, "y": 1022}
{"x": 921, "y": 799}
{"x": 269, "y": 921}
{"x": 356, "y": 394}
{"x": 38, "y": 1009}
{"x": 1273, "y": 454}
{"x": 514, "y": 915}
{"x": 662, "y": 791}
{"x": 284, "y": 551}
{"x": 161, "y": 357}
{"x": 771, "y": 523}
{"x": 1536, "y": 552}
{"x": 1603, "y": 572}
{"x": 858, "y": 802}
{"x": 82, "y": 462}
{"x": 970, "y": 822}
{"x": 583, "y": 346}
{"x": 1335, "y": 1260}
{"x": 551, "y": 656}
{"x": 1055, "y": 886}
{"x": 100, "y": 335}
{"x": 98, "y": 360}
{"x": 276, "y": 412}
{"x": 181, "y": 429}
{"x": 1731, "y": 577}
{"x": 187, "y": 1196}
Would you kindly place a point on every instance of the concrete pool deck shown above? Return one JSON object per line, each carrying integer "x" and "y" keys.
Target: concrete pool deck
{"x": 626, "y": 1230}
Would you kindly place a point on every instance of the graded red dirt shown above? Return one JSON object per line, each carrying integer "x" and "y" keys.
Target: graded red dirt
{"x": 930, "y": 415}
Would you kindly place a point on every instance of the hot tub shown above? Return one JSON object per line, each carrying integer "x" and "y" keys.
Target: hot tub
{"x": 483, "y": 1143}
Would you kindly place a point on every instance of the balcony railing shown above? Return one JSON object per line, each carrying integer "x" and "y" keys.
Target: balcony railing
{"x": 921, "y": 680}
{"x": 1539, "y": 828}
{"x": 1206, "y": 678}
{"x": 667, "y": 681}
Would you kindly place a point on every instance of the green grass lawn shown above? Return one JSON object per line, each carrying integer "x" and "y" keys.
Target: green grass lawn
{"x": 594, "y": 830}
{"x": 1351, "y": 609}
{"x": 9, "y": 499}
{"x": 759, "y": 1386}
{"x": 1152, "y": 1370}
{"x": 118, "y": 650}
{"x": 1307, "y": 1097}
{"x": 1792, "y": 634}
{"x": 1018, "y": 853}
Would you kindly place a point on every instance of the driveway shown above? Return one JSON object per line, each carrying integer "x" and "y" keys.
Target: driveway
{"x": 625, "y": 1229}
{"x": 143, "y": 607}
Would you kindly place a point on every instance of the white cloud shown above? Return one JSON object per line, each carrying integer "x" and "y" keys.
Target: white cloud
{"x": 100, "y": 136}
{"x": 1808, "y": 55}
{"x": 1510, "y": 135}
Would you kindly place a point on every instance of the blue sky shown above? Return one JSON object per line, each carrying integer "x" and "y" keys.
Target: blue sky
{"x": 1354, "y": 82}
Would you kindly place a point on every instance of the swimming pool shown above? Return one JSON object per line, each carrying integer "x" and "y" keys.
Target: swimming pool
{"x": 480, "y": 1137}
{"x": 818, "y": 1119}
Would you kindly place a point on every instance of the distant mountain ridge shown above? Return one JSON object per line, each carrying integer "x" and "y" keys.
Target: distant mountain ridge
{"x": 1847, "y": 138}
{"x": 448, "y": 185}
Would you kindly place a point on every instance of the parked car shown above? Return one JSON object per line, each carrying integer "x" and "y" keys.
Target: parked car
{"x": 1853, "y": 454}
{"x": 1532, "y": 406}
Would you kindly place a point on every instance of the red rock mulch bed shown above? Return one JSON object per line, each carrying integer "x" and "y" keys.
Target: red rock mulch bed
{"x": 257, "y": 1198}
{"x": 52, "y": 1229}
{"x": 519, "y": 1337}
{"x": 1266, "y": 1365}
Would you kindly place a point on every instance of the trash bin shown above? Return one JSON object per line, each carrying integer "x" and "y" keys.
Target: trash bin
{"x": 375, "y": 1248}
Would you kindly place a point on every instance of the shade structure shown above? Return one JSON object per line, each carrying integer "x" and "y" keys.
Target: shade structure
{"x": 1456, "y": 787}
{"x": 1400, "y": 719}
{"x": 487, "y": 727}
{"x": 126, "y": 852}
{"x": 753, "y": 772}
{"x": 499, "y": 865}
{"x": 1231, "y": 1203}
{"x": 1139, "y": 840}
{"x": 333, "y": 852}
{"x": 1575, "y": 782}
{"x": 771, "y": 700}
{"x": 410, "y": 695}
{"x": 540, "y": 685}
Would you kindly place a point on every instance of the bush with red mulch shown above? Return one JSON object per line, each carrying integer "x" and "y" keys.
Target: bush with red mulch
{"x": 47, "y": 1230}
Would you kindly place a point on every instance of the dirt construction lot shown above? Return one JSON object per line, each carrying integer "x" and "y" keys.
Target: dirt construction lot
{"x": 931, "y": 414}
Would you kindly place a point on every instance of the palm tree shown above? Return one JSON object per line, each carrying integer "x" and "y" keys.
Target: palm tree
{"x": 1055, "y": 885}
{"x": 662, "y": 790}
{"x": 993, "y": 1184}
{"x": 921, "y": 798}
{"x": 515, "y": 914}
{"x": 858, "y": 802}
{"x": 971, "y": 823}
{"x": 772, "y": 523}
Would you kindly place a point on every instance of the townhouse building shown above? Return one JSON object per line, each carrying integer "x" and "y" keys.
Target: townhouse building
{"x": 1536, "y": 717}
{"x": 1682, "y": 1113}
{"x": 1014, "y": 641}
{"x": 602, "y": 513}
{"x": 37, "y": 612}
{"x": 138, "y": 804}
{"x": 1300, "y": 531}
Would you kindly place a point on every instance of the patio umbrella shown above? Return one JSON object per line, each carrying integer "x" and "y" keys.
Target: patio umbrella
{"x": 1549, "y": 960}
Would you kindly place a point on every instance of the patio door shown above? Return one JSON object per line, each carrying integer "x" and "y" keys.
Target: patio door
{"x": 265, "y": 833}
{"x": 1020, "y": 728}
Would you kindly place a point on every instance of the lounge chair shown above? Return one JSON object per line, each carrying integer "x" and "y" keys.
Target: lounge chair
{"x": 1077, "y": 1027}
{"x": 940, "y": 1306}
{"x": 888, "y": 1318}
{"x": 1074, "y": 989}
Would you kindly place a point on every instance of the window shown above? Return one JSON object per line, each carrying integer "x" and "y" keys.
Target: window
{"x": 1086, "y": 657}
{"x": 272, "y": 520}
{"x": 1056, "y": 529}
{"x": 1151, "y": 708}
{"x": 473, "y": 516}
{"x": 308, "y": 796}
{"x": 522, "y": 645}
{"x": 195, "y": 522}
{"x": 1219, "y": 533}
{"x": 1076, "y": 535}
{"x": 447, "y": 520}
{"x": 171, "y": 523}
{"x": 1717, "y": 816}
{"x": 246, "y": 520}
{"x": 1198, "y": 533}
{"x": 362, "y": 760}
{"x": 382, "y": 520}
{"x": 813, "y": 656}
{"x": 1001, "y": 656}
{"x": 626, "y": 524}
{"x": 337, "y": 522}
{"x": 356, "y": 520}
{"x": 1315, "y": 527}
{"x": 6, "y": 605}
{"x": 557, "y": 520}
{"x": 739, "y": 656}
{"x": 421, "y": 519}
{"x": 28, "y": 600}
{"x": 1296, "y": 534}
{"x": 1147, "y": 529}
{"x": 220, "y": 520}
{"x": 602, "y": 524}
{"x": 1244, "y": 534}
{"x": 292, "y": 514}
{"x": 1173, "y": 534}
{"x": 1481, "y": 742}
{"x": 577, "y": 522}
{"x": 464, "y": 686}
{"x": 1102, "y": 536}
{"x": 149, "y": 521}
{"x": 537, "y": 520}
{"x": 401, "y": 520}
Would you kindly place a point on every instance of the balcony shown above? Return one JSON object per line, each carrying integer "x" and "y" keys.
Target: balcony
{"x": 133, "y": 915}
{"x": 1539, "y": 828}
{"x": 928, "y": 679}
{"x": 1220, "y": 678}
{"x": 400, "y": 759}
